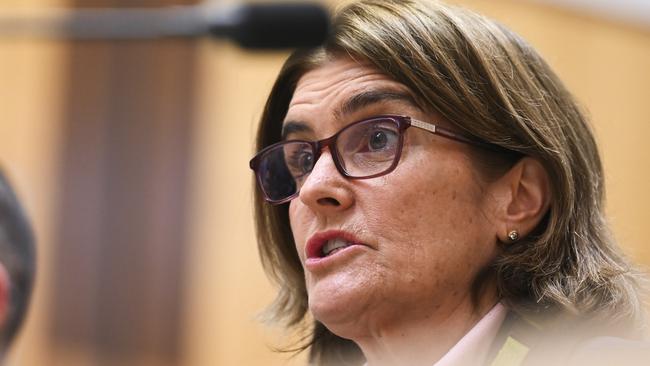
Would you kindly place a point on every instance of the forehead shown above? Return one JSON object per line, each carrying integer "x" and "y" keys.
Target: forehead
{"x": 328, "y": 87}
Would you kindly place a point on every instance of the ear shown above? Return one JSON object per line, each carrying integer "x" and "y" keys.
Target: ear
{"x": 5, "y": 296}
{"x": 527, "y": 198}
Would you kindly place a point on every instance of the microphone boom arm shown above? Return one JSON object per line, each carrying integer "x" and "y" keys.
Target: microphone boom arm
{"x": 284, "y": 25}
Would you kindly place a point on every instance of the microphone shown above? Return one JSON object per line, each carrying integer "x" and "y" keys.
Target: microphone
{"x": 256, "y": 26}
{"x": 276, "y": 26}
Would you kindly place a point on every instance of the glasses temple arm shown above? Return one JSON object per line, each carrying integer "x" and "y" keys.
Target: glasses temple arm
{"x": 455, "y": 136}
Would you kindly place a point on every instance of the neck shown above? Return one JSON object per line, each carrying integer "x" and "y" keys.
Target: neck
{"x": 424, "y": 338}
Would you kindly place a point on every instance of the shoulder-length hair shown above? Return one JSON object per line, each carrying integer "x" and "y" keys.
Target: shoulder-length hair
{"x": 492, "y": 85}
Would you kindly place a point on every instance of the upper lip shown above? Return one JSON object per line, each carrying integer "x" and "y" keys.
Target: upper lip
{"x": 314, "y": 247}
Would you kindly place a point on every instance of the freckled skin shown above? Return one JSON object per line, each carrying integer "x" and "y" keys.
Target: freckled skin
{"x": 413, "y": 279}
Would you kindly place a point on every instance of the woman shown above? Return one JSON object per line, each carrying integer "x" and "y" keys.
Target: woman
{"x": 429, "y": 193}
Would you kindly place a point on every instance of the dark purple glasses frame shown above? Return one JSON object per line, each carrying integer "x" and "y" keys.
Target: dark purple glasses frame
{"x": 403, "y": 123}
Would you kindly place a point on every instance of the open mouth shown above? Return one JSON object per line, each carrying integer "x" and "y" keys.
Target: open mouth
{"x": 326, "y": 244}
{"x": 333, "y": 246}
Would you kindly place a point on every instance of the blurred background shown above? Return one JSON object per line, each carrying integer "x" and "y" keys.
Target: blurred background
{"x": 132, "y": 161}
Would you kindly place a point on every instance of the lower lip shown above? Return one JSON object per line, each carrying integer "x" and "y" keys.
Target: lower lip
{"x": 321, "y": 263}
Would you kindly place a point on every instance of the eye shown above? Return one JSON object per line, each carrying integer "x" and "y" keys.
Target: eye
{"x": 378, "y": 140}
{"x": 381, "y": 139}
{"x": 301, "y": 162}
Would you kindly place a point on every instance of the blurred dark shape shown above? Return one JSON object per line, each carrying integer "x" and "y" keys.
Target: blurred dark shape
{"x": 18, "y": 260}
{"x": 256, "y": 26}
{"x": 268, "y": 26}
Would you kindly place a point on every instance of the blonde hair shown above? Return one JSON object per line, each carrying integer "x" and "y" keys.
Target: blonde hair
{"x": 491, "y": 84}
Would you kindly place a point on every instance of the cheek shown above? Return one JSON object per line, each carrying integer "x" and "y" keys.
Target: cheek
{"x": 423, "y": 195}
{"x": 435, "y": 221}
{"x": 299, "y": 226}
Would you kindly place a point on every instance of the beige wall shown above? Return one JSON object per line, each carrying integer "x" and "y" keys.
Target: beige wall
{"x": 604, "y": 63}
{"x": 228, "y": 289}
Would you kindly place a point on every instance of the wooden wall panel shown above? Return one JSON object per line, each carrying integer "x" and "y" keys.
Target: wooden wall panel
{"x": 120, "y": 257}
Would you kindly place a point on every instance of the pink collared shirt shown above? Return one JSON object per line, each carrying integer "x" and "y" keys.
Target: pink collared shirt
{"x": 474, "y": 347}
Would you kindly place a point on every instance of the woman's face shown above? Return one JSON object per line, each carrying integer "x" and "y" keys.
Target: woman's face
{"x": 414, "y": 239}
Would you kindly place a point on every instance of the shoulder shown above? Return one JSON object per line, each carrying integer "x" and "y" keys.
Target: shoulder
{"x": 568, "y": 343}
{"x": 610, "y": 351}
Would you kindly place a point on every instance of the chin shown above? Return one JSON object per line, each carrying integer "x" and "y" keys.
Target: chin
{"x": 339, "y": 308}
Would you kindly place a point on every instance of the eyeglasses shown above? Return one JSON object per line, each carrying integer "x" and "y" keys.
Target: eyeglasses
{"x": 361, "y": 150}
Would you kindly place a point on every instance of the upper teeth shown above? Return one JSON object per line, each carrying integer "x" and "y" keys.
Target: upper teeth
{"x": 332, "y": 245}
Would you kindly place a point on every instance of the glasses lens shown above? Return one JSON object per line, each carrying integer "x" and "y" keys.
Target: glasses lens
{"x": 369, "y": 147}
{"x": 283, "y": 169}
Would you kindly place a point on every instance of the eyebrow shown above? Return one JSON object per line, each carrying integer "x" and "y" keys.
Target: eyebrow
{"x": 357, "y": 102}
{"x": 370, "y": 97}
{"x": 294, "y": 127}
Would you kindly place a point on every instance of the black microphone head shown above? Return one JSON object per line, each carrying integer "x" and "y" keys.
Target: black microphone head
{"x": 277, "y": 26}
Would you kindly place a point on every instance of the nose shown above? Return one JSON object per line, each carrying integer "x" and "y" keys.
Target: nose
{"x": 325, "y": 190}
